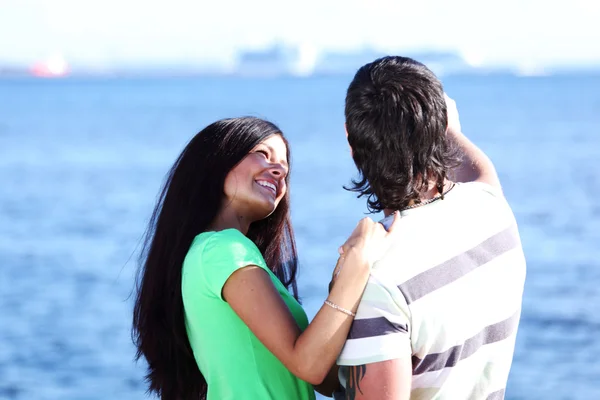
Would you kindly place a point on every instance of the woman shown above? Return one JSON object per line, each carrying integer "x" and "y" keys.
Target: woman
{"x": 213, "y": 315}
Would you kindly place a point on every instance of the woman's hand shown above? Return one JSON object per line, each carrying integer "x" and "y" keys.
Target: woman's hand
{"x": 368, "y": 243}
{"x": 370, "y": 239}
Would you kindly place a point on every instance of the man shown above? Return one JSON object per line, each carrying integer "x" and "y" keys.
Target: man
{"x": 439, "y": 317}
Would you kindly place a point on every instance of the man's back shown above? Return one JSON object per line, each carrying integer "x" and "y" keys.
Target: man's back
{"x": 448, "y": 295}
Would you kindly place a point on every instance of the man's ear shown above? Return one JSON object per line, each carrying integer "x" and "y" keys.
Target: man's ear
{"x": 350, "y": 147}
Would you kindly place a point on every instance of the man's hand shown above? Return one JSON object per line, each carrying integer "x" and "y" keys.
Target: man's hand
{"x": 475, "y": 164}
{"x": 453, "y": 118}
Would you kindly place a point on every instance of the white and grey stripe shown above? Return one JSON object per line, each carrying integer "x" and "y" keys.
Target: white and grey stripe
{"x": 455, "y": 268}
{"x": 497, "y": 395}
{"x": 368, "y": 327}
{"x": 490, "y": 334}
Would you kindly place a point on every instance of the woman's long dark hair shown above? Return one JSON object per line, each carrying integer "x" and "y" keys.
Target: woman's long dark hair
{"x": 189, "y": 201}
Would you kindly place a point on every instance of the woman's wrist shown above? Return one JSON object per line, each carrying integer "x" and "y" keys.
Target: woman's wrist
{"x": 340, "y": 309}
{"x": 351, "y": 277}
{"x": 356, "y": 260}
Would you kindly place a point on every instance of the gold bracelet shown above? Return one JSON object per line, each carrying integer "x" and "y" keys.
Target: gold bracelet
{"x": 336, "y": 307}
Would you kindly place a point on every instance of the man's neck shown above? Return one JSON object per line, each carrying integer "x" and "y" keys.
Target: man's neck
{"x": 431, "y": 192}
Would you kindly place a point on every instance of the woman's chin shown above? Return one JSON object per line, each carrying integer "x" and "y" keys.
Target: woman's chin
{"x": 266, "y": 209}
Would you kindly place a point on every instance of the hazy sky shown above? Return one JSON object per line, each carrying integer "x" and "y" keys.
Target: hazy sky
{"x": 189, "y": 31}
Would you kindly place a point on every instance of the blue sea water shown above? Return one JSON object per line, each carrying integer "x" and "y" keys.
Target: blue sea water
{"x": 81, "y": 163}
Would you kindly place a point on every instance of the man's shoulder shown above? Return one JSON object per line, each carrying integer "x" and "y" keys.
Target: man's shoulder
{"x": 478, "y": 189}
{"x": 477, "y": 205}
{"x": 471, "y": 219}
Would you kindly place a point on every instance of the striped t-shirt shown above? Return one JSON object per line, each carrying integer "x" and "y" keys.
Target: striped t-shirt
{"x": 447, "y": 294}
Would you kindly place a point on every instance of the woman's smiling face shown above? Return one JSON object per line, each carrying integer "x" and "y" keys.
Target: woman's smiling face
{"x": 256, "y": 185}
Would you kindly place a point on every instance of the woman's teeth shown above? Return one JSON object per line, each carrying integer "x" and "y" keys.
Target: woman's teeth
{"x": 267, "y": 184}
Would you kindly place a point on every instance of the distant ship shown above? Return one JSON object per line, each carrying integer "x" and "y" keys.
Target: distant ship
{"x": 53, "y": 67}
{"x": 278, "y": 60}
{"x": 441, "y": 63}
{"x": 305, "y": 60}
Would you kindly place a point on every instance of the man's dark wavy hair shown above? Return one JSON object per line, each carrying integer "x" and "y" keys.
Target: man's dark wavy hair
{"x": 396, "y": 122}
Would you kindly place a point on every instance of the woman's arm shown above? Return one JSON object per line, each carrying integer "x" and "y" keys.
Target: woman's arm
{"x": 310, "y": 354}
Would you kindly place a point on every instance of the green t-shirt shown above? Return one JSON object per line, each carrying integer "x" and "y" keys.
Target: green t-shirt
{"x": 234, "y": 362}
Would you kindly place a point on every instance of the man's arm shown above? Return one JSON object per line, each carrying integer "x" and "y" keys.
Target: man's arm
{"x": 475, "y": 165}
{"x": 385, "y": 380}
{"x": 331, "y": 383}
{"x": 377, "y": 357}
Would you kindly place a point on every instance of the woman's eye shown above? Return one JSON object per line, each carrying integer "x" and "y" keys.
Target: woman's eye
{"x": 264, "y": 152}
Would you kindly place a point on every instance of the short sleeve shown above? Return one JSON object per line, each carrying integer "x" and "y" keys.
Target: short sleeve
{"x": 226, "y": 252}
{"x": 381, "y": 328}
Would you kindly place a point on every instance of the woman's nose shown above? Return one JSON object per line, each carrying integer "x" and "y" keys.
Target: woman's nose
{"x": 278, "y": 170}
